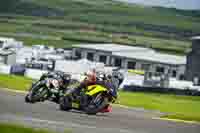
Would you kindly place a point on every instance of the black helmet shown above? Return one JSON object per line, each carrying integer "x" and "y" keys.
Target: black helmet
{"x": 67, "y": 76}
{"x": 109, "y": 76}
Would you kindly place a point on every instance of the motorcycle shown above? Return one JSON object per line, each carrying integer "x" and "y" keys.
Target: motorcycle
{"x": 92, "y": 100}
{"x": 51, "y": 86}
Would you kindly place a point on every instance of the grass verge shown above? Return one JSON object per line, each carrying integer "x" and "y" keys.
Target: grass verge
{"x": 12, "y": 128}
{"x": 177, "y": 107}
{"x": 15, "y": 82}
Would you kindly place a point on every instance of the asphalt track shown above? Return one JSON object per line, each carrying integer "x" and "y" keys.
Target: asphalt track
{"x": 13, "y": 109}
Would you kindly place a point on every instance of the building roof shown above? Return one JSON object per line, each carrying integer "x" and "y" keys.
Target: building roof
{"x": 113, "y": 47}
{"x": 6, "y": 52}
{"x": 154, "y": 57}
{"x": 138, "y": 53}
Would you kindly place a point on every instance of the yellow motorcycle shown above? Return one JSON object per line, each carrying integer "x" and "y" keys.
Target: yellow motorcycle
{"x": 92, "y": 100}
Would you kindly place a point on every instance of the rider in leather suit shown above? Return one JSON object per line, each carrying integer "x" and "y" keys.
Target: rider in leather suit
{"x": 111, "y": 82}
{"x": 89, "y": 80}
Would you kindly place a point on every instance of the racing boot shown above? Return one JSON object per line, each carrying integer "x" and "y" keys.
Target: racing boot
{"x": 107, "y": 109}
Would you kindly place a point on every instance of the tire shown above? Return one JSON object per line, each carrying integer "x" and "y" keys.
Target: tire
{"x": 92, "y": 109}
{"x": 27, "y": 100}
{"x": 65, "y": 103}
{"x": 34, "y": 95}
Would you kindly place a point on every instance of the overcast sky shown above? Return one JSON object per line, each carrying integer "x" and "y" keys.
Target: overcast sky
{"x": 180, "y": 4}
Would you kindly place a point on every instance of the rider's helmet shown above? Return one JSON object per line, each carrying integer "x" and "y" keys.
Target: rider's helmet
{"x": 91, "y": 75}
{"x": 109, "y": 76}
{"x": 66, "y": 77}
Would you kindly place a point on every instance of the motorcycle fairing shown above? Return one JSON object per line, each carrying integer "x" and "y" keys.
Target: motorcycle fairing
{"x": 75, "y": 105}
{"x": 94, "y": 89}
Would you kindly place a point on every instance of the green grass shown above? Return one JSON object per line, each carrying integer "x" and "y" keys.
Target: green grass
{"x": 82, "y": 21}
{"x": 179, "y": 107}
{"x": 13, "y": 128}
{"x": 65, "y": 38}
{"x": 15, "y": 82}
{"x": 120, "y": 13}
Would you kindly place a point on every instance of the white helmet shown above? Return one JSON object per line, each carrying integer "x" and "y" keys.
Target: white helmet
{"x": 89, "y": 73}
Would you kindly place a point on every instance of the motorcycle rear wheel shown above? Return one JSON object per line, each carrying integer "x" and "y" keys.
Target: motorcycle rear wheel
{"x": 65, "y": 103}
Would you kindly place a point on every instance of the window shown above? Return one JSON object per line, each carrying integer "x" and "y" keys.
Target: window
{"x": 160, "y": 69}
{"x": 118, "y": 62}
{"x": 174, "y": 73}
{"x": 131, "y": 65}
{"x": 1, "y": 44}
{"x": 78, "y": 54}
{"x": 90, "y": 56}
{"x": 43, "y": 59}
{"x": 145, "y": 66}
{"x": 103, "y": 59}
{"x": 182, "y": 77}
{"x": 196, "y": 80}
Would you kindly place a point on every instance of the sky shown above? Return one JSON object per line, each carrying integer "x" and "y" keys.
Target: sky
{"x": 179, "y": 4}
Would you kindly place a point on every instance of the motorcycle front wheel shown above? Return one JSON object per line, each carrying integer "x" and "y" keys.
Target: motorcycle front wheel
{"x": 37, "y": 93}
{"x": 97, "y": 103}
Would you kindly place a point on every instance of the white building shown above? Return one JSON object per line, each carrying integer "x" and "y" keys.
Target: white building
{"x": 10, "y": 43}
{"x": 129, "y": 57}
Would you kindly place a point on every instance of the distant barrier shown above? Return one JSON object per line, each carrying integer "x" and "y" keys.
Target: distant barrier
{"x": 31, "y": 73}
{"x": 190, "y": 92}
{"x": 4, "y": 69}
{"x": 34, "y": 73}
{"x": 134, "y": 71}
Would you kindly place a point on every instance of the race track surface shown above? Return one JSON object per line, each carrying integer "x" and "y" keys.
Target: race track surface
{"x": 13, "y": 109}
